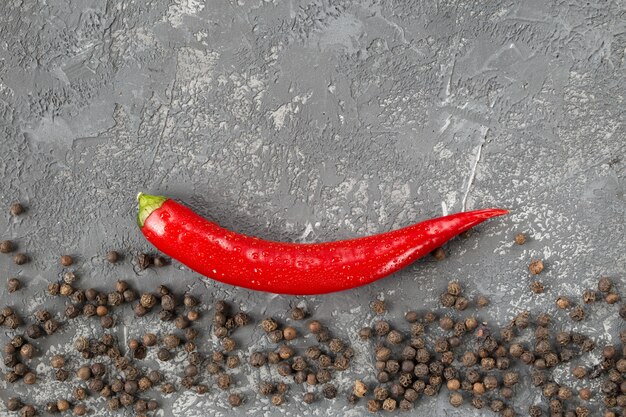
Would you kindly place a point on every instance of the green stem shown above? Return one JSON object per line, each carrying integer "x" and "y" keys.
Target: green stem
{"x": 147, "y": 204}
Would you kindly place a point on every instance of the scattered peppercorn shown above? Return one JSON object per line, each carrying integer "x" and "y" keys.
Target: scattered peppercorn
{"x": 482, "y": 301}
{"x": 536, "y": 266}
{"x": 66, "y": 260}
{"x": 20, "y": 258}
{"x": 604, "y": 285}
{"x": 577, "y": 313}
{"x": 378, "y": 307}
{"x": 612, "y": 298}
{"x": 537, "y": 287}
{"x": 439, "y": 254}
{"x": 6, "y": 246}
{"x": 28, "y": 411}
{"x": 13, "y": 284}
{"x": 562, "y": 302}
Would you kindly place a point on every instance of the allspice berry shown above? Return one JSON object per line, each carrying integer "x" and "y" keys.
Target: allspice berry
{"x": 520, "y": 238}
{"x": 611, "y": 298}
{"x": 112, "y": 256}
{"x": 30, "y": 378}
{"x": 164, "y": 355}
{"x": 454, "y": 385}
{"x": 471, "y": 323}
{"x": 147, "y": 300}
{"x": 13, "y": 284}
{"x": 389, "y": 404}
{"x": 315, "y": 326}
{"x": 454, "y": 288}
{"x": 482, "y": 301}
{"x": 269, "y": 325}
{"x": 80, "y": 409}
{"x": 562, "y": 302}
{"x": 411, "y": 316}
{"x": 27, "y": 351}
{"x": 439, "y": 254}
{"x": 143, "y": 260}
{"x": 84, "y": 373}
{"x": 16, "y": 209}
{"x": 149, "y": 339}
{"x": 535, "y": 267}
{"x": 289, "y": 333}
{"x": 66, "y": 260}
{"x": 235, "y": 400}
{"x": 63, "y": 405}
{"x": 360, "y": 389}
{"x": 190, "y": 301}
{"x": 537, "y": 287}
{"x": 456, "y": 399}
{"x": 585, "y": 394}
{"x": 171, "y": 341}
{"x": 57, "y": 361}
{"x": 297, "y": 313}
{"x": 51, "y": 408}
{"x": 378, "y": 306}
{"x": 589, "y": 296}
{"x": 20, "y": 258}
{"x": 28, "y": 411}
{"x": 605, "y": 285}
{"x": 6, "y": 246}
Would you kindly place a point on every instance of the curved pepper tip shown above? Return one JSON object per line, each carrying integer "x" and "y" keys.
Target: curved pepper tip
{"x": 147, "y": 204}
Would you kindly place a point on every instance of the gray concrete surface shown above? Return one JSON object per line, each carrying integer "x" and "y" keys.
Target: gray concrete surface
{"x": 311, "y": 121}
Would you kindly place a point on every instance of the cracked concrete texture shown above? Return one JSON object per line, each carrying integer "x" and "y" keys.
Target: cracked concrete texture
{"x": 313, "y": 121}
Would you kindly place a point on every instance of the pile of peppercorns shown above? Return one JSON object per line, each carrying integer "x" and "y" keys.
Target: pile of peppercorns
{"x": 482, "y": 365}
{"x": 115, "y": 370}
{"x": 122, "y": 380}
{"x": 314, "y": 365}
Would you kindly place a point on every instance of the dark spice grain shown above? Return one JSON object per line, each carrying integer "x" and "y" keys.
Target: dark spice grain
{"x": 13, "y": 285}
{"x": 6, "y": 246}
{"x": 20, "y": 258}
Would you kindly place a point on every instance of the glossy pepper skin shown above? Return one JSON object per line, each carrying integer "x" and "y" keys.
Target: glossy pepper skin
{"x": 292, "y": 268}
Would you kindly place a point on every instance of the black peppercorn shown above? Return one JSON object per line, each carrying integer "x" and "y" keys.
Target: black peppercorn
{"x": 6, "y": 246}
{"x": 382, "y": 327}
{"x": 329, "y": 391}
{"x": 72, "y": 311}
{"x": 164, "y": 355}
{"x": 30, "y": 378}
{"x": 107, "y": 322}
{"x": 20, "y": 258}
{"x": 143, "y": 260}
{"x": 27, "y": 351}
{"x": 516, "y": 350}
{"x": 224, "y": 381}
{"x": 61, "y": 375}
{"x": 378, "y": 307}
{"x": 28, "y": 411}
{"x": 13, "y": 284}
{"x": 168, "y": 388}
{"x": 258, "y": 359}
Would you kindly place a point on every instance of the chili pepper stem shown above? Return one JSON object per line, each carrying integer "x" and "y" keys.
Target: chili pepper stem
{"x": 147, "y": 204}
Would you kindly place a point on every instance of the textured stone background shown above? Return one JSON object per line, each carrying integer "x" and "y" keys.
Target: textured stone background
{"x": 308, "y": 121}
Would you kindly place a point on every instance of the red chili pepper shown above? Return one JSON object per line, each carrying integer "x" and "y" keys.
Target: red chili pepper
{"x": 292, "y": 268}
